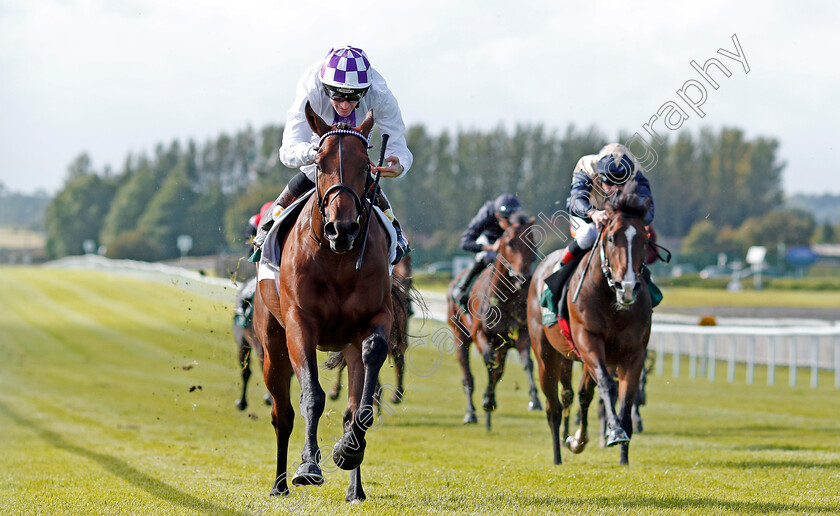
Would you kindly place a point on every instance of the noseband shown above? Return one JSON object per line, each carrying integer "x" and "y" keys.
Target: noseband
{"x": 341, "y": 186}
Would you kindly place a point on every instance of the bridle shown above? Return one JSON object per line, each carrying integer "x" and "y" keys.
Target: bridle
{"x": 606, "y": 269}
{"x": 337, "y": 189}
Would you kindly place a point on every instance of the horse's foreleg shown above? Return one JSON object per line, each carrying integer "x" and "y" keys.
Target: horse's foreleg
{"x": 355, "y": 384}
{"x": 350, "y": 450}
{"x": 463, "y": 352}
{"x": 524, "y": 347}
{"x": 628, "y": 381}
{"x": 495, "y": 370}
{"x": 608, "y": 391}
{"x": 301, "y": 344}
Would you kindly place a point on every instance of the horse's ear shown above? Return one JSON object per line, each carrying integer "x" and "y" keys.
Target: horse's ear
{"x": 367, "y": 124}
{"x": 317, "y": 124}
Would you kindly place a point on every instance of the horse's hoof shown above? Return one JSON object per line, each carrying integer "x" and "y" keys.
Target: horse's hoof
{"x": 470, "y": 418}
{"x": 577, "y": 443}
{"x": 639, "y": 427}
{"x": 275, "y": 491}
{"x": 333, "y": 395}
{"x": 534, "y": 405}
{"x": 267, "y": 399}
{"x": 241, "y": 404}
{"x": 349, "y": 456}
{"x": 488, "y": 404}
{"x": 397, "y": 398}
{"x": 279, "y": 488}
{"x": 308, "y": 474}
{"x": 617, "y": 436}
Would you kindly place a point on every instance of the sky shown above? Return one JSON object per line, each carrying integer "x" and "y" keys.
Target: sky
{"x": 116, "y": 77}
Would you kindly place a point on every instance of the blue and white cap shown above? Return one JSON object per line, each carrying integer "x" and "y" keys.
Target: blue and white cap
{"x": 616, "y": 164}
{"x": 346, "y": 70}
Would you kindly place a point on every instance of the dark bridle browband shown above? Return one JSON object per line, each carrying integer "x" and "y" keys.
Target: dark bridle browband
{"x": 341, "y": 186}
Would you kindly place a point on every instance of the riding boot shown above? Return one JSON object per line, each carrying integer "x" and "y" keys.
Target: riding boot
{"x": 556, "y": 280}
{"x": 284, "y": 200}
{"x": 572, "y": 252}
{"x": 402, "y": 242}
{"x": 460, "y": 292}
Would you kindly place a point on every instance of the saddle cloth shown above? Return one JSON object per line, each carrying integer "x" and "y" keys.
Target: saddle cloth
{"x": 269, "y": 264}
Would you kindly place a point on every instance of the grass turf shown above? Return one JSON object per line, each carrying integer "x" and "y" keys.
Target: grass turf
{"x": 116, "y": 397}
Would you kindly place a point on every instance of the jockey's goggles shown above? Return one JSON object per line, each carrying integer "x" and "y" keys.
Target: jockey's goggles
{"x": 344, "y": 94}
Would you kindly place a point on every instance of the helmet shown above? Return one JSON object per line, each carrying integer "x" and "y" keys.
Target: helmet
{"x": 615, "y": 167}
{"x": 346, "y": 70}
{"x": 506, "y": 204}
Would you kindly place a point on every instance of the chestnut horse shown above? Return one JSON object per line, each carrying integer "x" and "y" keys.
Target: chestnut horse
{"x": 402, "y": 275}
{"x": 496, "y": 319}
{"x": 610, "y": 326}
{"x": 320, "y": 302}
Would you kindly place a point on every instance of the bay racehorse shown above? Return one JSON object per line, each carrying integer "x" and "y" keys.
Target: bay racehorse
{"x": 319, "y": 301}
{"x": 496, "y": 319}
{"x": 609, "y": 326}
{"x": 401, "y": 275}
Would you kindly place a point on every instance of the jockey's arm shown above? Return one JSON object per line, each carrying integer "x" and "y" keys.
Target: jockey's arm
{"x": 578, "y": 204}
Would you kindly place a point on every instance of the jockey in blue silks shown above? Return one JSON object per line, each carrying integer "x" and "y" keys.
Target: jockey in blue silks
{"x": 482, "y": 237}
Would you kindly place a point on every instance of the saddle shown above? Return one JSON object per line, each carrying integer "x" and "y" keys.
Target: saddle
{"x": 554, "y": 291}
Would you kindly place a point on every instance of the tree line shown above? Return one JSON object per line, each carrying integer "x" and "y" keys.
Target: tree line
{"x": 209, "y": 190}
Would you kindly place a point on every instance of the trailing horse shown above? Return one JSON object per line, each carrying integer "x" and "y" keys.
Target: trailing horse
{"x": 496, "y": 319}
{"x": 320, "y": 301}
{"x": 609, "y": 325}
{"x": 246, "y": 341}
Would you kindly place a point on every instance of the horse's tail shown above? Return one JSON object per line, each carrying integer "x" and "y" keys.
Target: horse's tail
{"x": 405, "y": 299}
{"x": 335, "y": 360}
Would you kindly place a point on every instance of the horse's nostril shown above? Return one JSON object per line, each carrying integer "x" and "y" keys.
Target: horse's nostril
{"x": 329, "y": 230}
{"x": 353, "y": 231}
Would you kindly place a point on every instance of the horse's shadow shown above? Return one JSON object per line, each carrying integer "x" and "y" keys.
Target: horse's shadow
{"x": 120, "y": 468}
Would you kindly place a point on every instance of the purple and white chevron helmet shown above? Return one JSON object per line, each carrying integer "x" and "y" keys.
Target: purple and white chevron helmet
{"x": 346, "y": 70}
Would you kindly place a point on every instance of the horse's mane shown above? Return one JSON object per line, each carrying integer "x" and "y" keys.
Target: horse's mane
{"x": 629, "y": 202}
{"x": 343, "y": 125}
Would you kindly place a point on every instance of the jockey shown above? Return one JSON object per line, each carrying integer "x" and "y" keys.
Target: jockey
{"x": 482, "y": 237}
{"x": 338, "y": 87}
{"x": 596, "y": 178}
{"x": 254, "y": 223}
